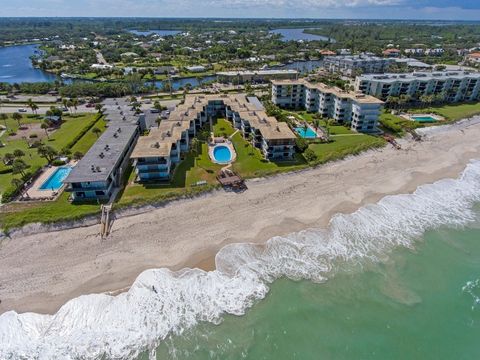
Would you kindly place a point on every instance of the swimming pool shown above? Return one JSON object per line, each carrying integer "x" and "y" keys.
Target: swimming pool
{"x": 55, "y": 181}
{"x": 222, "y": 154}
{"x": 306, "y": 134}
{"x": 423, "y": 118}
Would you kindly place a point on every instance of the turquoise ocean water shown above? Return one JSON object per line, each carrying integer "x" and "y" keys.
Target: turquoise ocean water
{"x": 422, "y": 303}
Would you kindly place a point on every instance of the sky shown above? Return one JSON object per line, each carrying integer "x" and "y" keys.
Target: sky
{"x": 351, "y": 9}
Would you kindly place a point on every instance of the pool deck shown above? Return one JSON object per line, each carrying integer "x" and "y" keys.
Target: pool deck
{"x": 411, "y": 117}
{"x": 34, "y": 191}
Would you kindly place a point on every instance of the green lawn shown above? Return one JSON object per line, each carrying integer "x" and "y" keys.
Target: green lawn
{"x": 17, "y": 215}
{"x": 342, "y": 146}
{"x": 306, "y": 116}
{"x": 453, "y": 112}
{"x": 196, "y": 166}
{"x": 71, "y": 127}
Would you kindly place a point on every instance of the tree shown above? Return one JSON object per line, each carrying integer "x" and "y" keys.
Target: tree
{"x": 305, "y": 128}
{"x": 77, "y": 155}
{"x": 45, "y": 127}
{"x": 4, "y": 117}
{"x": 8, "y": 158}
{"x": 75, "y": 104}
{"x": 17, "y": 117}
{"x": 18, "y": 153}
{"x": 97, "y": 131}
{"x": 328, "y": 122}
{"x": 99, "y": 108}
{"x": 17, "y": 183}
{"x": 194, "y": 145}
{"x": 158, "y": 120}
{"x": 47, "y": 152}
{"x": 19, "y": 166}
{"x": 251, "y": 139}
{"x": 32, "y": 106}
{"x": 70, "y": 105}
{"x": 35, "y": 108}
{"x": 157, "y": 105}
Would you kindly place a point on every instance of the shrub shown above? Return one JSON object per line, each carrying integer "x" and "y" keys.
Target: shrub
{"x": 301, "y": 144}
{"x": 310, "y": 155}
{"x": 9, "y": 193}
{"x": 58, "y": 162}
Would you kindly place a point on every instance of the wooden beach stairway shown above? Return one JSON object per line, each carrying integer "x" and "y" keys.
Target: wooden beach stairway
{"x": 105, "y": 221}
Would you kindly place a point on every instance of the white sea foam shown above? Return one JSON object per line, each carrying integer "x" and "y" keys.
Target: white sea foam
{"x": 161, "y": 302}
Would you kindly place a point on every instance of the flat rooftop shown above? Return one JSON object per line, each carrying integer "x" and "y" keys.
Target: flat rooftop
{"x": 421, "y": 76}
{"x": 354, "y": 96}
{"x": 159, "y": 141}
{"x": 98, "y": 163}
{"x": 258, "y": 72}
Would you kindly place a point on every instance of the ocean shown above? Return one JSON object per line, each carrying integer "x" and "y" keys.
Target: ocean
{"x": 399, "y": 279}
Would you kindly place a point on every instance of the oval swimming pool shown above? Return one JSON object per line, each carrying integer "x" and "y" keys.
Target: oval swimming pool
{"x": 222, "y": 154}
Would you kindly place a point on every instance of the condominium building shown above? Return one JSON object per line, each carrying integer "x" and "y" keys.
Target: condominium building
{"x": 99, "y": 173}
{"x": 156, "y": 155}
{"x": 255, "y": 75}
{"x": 351, "y": 65}
{"x": 454, "y": 86}
{"x": 359, "y": 110}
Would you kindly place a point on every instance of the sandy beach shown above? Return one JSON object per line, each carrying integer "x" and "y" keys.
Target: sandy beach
{"x": 40, "y": 272}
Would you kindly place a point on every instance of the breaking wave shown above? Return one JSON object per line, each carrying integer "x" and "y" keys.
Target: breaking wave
{"x": 161, "y": 302}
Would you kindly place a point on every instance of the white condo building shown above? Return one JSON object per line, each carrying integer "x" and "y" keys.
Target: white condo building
{"x": 454, "y": 86}
{"x": 345, "y": 107}
{"x": 354, "y": 64}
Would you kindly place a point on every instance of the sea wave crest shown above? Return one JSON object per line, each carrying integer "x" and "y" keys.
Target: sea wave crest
{"x": 161, "y": 302}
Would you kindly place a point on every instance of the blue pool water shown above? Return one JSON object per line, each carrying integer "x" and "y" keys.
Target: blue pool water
{"x": 306, "y": 134}
{"x": 222, "y": 154}
{"x": 55, "y": 181}
{"x": 424, "y": 118}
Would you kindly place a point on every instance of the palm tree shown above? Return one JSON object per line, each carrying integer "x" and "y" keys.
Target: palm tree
{"x": 17, "y": 183}
{"x": 99, "y": 108}
{"x": 158, "y": 120}
{"x": 30, "y": 104}
{"x": 17, "y": 117}
{"x": 35, "y": 108}
{"x": 96, "y": 131}
{"x": 194, "y": 145}
{"x": 70, "y": 105}
{"x": 251, "y": 139}
{"x": 4, "y": 117}
{"x": 75, "y": 104}
{"x": 305, "y": 128}
{"x": 45, "y": 127}
{"x": 19, "y": 166}
{"x": 77, "y": 155}
{"x": 328, "y": 122}
{"x": 316, "y": 124}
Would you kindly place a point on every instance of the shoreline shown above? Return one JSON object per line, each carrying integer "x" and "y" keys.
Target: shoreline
{"x": 41, "y": 272}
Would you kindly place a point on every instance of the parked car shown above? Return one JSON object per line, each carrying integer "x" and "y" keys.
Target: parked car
{"x": 90, "y": 105}
{"x": 64, "y": 109}
{"x": 154, "y": 111}
{"x": 22, "y": 110}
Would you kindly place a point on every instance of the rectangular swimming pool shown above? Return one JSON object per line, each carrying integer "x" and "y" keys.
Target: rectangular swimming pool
{"x": 55, "y": 181}
{"x": 424, "y": 119}
{"x": 306, "y": 134}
